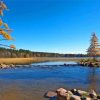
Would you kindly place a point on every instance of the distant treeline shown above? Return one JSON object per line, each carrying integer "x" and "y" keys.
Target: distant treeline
{"x": 11, "y": 53}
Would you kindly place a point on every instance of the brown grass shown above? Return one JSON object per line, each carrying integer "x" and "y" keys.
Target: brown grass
{"x": 31, "y": 60}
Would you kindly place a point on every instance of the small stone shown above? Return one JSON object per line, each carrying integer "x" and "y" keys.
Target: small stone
{"x": 12, "y": 66}
{"x": 74, "y": 97}
{"x": 82, "y": 92}
{"x": 50, "y": 94}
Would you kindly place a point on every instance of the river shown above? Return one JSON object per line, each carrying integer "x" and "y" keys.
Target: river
{"x": 31, "y": 83}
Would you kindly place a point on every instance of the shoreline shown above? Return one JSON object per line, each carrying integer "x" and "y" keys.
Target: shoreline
{"x": 24, "y": 61}
{"x": 16, "y": 62}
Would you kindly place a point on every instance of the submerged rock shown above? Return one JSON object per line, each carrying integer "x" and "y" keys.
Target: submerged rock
{"x": 51, "y": 94}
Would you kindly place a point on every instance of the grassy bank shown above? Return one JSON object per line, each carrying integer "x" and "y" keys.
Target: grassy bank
{"x": 32, "y": 60}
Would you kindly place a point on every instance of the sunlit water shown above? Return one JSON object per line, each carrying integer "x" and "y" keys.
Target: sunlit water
{"x": 33, "y": 82}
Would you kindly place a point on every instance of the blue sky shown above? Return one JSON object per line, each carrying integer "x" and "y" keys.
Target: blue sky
{"x": 62, "y": 26}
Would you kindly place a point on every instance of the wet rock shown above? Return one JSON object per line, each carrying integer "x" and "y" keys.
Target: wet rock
{"x": 51, "y": 94}
{"x": 61, "y": 90}
{"x": 82, "y": 92}
{"x": 86, "y": 98}
{"x": 4, "y": 66}
{"x": 75, "y": 92}
{"x": 74, "y": 97}
{"x": 12, "y": 66}
{"x": 63, "y": 96}
{"x": 98, "y": 97}
{"x": 92, "y": 94}
{"x": 70, "y": 93}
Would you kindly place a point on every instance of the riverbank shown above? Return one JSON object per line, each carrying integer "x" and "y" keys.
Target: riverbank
{"x": 23, "y": 61}
{"x": 74, "y": 94}
{"x": 90, "y": 62}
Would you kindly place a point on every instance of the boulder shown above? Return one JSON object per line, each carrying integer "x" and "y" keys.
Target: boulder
{"x": 51, "y": 94}
{"x": 86, "y": 98}
{"x": 92, "y": 94}
{"x": 75, "y": 92}
{"x": 61, "y": 90}
{"x": 74, "y": 97}
{"x": 82, "y": 92}
{"x": 64, "y": 96}
{"x": 98, "y": 97}
{"x": 70, "y": 93}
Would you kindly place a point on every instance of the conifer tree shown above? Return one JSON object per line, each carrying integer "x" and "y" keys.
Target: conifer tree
{"x": 94, "y": 49}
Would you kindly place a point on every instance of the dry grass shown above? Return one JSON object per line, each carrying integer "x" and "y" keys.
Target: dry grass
{"x": 31, "y": 60}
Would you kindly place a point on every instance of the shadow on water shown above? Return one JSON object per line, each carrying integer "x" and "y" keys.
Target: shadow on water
{"x": 93, "y": 79}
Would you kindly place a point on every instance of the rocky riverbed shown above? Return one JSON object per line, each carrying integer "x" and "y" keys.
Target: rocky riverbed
{"x": 74, "y": 94}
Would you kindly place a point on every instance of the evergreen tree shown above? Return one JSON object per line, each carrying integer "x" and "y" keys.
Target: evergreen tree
{"x": 94, "y": 49}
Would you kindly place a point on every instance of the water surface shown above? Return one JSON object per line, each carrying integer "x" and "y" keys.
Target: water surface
{"x": 33, "y": 82}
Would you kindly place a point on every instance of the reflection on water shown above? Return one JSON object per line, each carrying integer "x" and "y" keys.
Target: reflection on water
{"x": 54, "y": 63}
{"x": 32, "y": 83}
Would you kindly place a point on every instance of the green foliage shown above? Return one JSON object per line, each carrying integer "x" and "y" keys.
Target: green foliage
{"x": 11, "y": 53}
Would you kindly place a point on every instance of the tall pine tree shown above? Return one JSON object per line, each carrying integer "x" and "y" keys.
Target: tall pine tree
{"x": 94, "y": 49}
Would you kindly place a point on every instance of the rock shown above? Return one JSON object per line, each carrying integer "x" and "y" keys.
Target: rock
{"x": 82, "y": 92}
{"x": 61, "y": 90}
{"x": 4, "y": 66}
{"x": 85, "y": 98}
{"x": 64, "y": 96}
{"x": 75, "y": 92}
{"x": 98, "y": 97}
{"x": 92, "y": 94}
{"x": 50, "y": 94}
{"x": 74, "y": 97}
{"x": 12, "y": 66}
{"x": 70, "y": 93}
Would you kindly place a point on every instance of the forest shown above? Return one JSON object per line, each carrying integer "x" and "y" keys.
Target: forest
{"x": 21, "y": 53}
